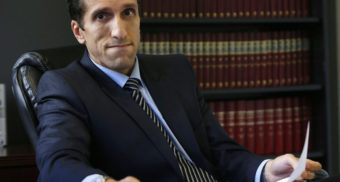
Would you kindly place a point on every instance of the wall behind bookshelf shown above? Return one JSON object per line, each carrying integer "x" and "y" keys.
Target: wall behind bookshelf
{"x": 318, "y": 87}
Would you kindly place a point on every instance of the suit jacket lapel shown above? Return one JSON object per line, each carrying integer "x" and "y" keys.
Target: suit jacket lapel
{"x": 124, "y": 100}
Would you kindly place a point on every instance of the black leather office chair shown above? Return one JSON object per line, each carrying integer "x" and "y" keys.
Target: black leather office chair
{"x": 26, "y": 74}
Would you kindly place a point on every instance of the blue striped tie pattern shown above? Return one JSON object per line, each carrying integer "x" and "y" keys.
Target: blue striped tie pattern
{"x": 190, "y": 172}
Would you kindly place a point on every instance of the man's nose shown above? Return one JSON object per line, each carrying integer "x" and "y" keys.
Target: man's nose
{"x": 118, "y": 29}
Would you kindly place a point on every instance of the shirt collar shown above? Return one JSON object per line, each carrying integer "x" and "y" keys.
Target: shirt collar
{"x": 117, "y": 77}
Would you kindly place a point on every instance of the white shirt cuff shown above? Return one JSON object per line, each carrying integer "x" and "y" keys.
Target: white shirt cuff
{"x": 259, "y": 171}
{"x": 94, "y": 178}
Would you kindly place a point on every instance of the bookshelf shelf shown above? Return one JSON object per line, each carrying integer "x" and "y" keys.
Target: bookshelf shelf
{"x": 250, "y": 93}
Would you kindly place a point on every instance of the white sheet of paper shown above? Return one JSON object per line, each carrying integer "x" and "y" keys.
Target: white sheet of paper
{"x": 301, "y": 166}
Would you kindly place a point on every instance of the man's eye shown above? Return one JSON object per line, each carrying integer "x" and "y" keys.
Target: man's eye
{"x": 101, "y": 16}
{"x": 129, "y": 12}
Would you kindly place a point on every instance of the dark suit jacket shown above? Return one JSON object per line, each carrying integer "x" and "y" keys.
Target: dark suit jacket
{"x": 88, "y": 124}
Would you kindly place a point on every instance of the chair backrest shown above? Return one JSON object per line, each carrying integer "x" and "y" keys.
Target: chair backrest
{"x": 26, "y": 74}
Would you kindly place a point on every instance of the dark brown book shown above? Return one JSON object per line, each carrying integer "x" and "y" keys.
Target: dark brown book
{"x": 247, "y": 9}
{"x": 240, "y": 8}
{"x": 274, "y": 8}
{"x": 278, "y": 125}
{"x": 220, "y": 113}
{"x": 207, "y": 9}
{"x": 186, "y": 9}
{"x": 250, "y": 125}
{"x": 200, "y": 58}
{"x": 230, "y": 118}
{"x": 253, "y": 8}
{"x": 288, "y": 55}
{"x": 299, "y": 62}
{"x": 251, "y": 59}
{"x": 192, "y": 8}
{"x": 159, "y": 7}
{"x": 232, "y": 60}
{"x": 166, "y": 8}
{"x": 239, "y": 61}
{"x": 288, "y": 125}
{"x": 269, "y": 126}
{"x": 258, "y": 61}
{"x": 207, "y": 61}
{"x": 263, "y": 60}
{"x": 213, "y": 8}
{"x": 219, "y": 61}
{"x": 226, "y": 60}
{"x": 261, "y": 10}
{"x": 244, "y": 59}
{"x": 233, "y": 8}
{"x": 298, "y": 8}
{"x": 305, "y": 8}
{"x": 145, "y": 8}
{"x": 292, "y": 8}
{"x": 179, "y": 8}
{"x": 200, "y": 8}
{"x": 173, "y": 8}
{"x": 305, "y": 58}
{"x": 286, "y": 9}
{"x": 282, "y": 59}
{"x": 297, "y": 136}
{"x": 259, "y": 127}
{"x": 280, "y": 10}
{"x": 240, "y": 122}
{"x": 276, "y": 58}
{"x": 294, "y": 57}
{"x": 221, "y": 8}
{"x": 269, "y": 53}
{"x": 267, "y": 8}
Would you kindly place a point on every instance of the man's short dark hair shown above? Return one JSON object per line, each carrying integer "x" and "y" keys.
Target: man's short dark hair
{"x": 76, "y": 10}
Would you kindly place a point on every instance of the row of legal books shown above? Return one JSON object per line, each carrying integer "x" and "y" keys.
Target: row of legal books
{"x": 265, "y": 126}
{"x": 225, "y": 8}
{"x": 238, "y": 59}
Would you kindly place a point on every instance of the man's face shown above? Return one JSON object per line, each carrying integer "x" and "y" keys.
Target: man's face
{"x": 111, "y": 32}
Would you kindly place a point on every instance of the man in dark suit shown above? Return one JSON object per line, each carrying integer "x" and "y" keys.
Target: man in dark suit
{"x": 113, "y": 115}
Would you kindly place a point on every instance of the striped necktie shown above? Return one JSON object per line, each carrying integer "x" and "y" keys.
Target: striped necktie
{"x": 190, "y": 172}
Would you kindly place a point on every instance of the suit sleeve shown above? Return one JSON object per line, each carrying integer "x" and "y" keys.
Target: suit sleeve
{"x": 232, "y": 161}
{"x": 62, "y": 151}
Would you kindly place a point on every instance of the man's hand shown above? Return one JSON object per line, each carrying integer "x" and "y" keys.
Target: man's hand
{"x": 282, "y": 166}
{"x": 126, "y": 179}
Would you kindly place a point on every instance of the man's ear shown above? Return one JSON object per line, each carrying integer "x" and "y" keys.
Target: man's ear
{"x": 78, "y": 32}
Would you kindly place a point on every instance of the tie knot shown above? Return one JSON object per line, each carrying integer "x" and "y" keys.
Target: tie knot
{"x": 132, "y": 84}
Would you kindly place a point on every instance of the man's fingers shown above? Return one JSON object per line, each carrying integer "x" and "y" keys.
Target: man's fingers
{"x": 313, "y": 166}
{"x": 308, "y": 175}
{"x": 129, "y": 179}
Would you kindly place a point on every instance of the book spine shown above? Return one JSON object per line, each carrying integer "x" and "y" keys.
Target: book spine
{"x": 239, "y": 62}
{"x": 165, "y": 8}
{"x": 180, "y": 8}
{"x": 161, "y": 43}
{"x": 250, "y": 125}
{"x": 279, "y": 7}
{"x": 297, "y": 145}
{"x": 294, "y": 58}
{"x": 221, "y": 8}
{"x": 159, "y": 7}
{"x": 226, "y": 60}
{"x": 219, "y": 61}
{"x": 193, "y": 7}
{"x": 232, "y": 60}
{"x": 257, "y": 48}
{"x": 240, "y": 119}
{"x": 233, "y": 8}
{"x": 247, "y": 8}
{"x": 292, "y": 8}
{"x": 268, "y": 51}
{"x": 200, "y": 8}
{"x": 207, "y": 8}
{"x": 230, "y": 118}
{"x": 214, "y": 8}
{"x": 286, "y": 9}
{"x": 240, "y": 8}
{"x": 276, "y": 59}
{"x": 220, "y": 113}
{"x": 173, "y": 8}
{"x": 3, "y": 120}
{"x": 305, "y": 8}
{"x": 154, "y": 44}
{"x": 288, "y": 125}
{"x": 305, "y": 58}
{"x": 251, "y": 59}
{"x": 194, "y": 53}
{"x": 207, "y": 61}
{"x": 259, "y": 127}
{"x": 244, "y": 59}
{"x": 145, "y": 9}
{"x": 278, "y": 118}
{"x": 273, "y": 8}
{"x": 298, "y": 8}
{"x": 253, "y": 8}
{"x": 213, "y": 64}
{"x": 228, "y": 8}
{"x": 299, "y": 61}
{"x": 200, "y": 53}
{"x": 288, "y": 53}
{"x": 267, "y": 8}
{"x": 261, "y": 8}
{"x": 263, "y": 59}
{"x": 186, "y": 9}
{"x": 269, "y": 126}
{"x": 282, "y": 59}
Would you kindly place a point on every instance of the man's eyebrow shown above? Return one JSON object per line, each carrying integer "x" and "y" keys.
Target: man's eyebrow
{"x": 100, "y": 10}
{"x": 130, "y": 5}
